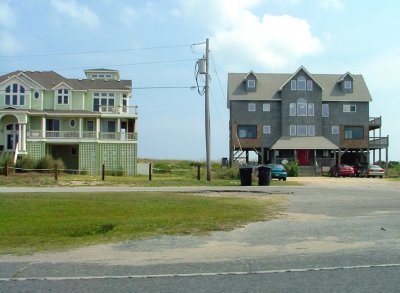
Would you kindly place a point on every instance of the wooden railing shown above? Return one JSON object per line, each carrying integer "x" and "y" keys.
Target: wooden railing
{"x": 379, "y": 142}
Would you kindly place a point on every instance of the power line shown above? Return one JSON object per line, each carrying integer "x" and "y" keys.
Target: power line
{"x": 219, "y": 80}
{"x": 117, "y": 65}
{"x": 95, "y": 51}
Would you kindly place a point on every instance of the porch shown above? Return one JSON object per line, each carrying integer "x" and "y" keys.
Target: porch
{"x": 81, "y": 135}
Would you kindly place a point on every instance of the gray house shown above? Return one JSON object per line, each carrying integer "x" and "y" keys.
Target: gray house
{"x": 315, "y": 119}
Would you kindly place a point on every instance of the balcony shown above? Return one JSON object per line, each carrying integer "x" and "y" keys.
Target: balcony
{"x": 76, "y": 136}
{"x": 378, "y": 142}
{"x": 128, "y": 110}
{"x": 375, "y": 123}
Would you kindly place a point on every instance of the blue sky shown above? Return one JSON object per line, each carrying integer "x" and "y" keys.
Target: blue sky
{"x": 150, "y": 43}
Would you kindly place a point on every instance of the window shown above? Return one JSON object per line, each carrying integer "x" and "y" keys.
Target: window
{"x": 90, "y": 125}
{"x": 72, "y": 123}
{"x": 325, "y": 110}
{"x": 52, "y": 124}
{"x": 292, "y": 130}
{"x": 293, "y": 85}
{"x": 15, "y": 95}
{"x": 335, "y": 129}
{"x": 251, "y": 107}
{"x": 247, "y": 131}
{"x": 103, "y": 102}
{"x": 347, "y": 84}
{"x": 301, "y": 107}
{"x": 354, "y": 132}
{"x": 311, "y": 130}
{"x": 349, "y": 108}
{"x": 292, "y": 109}
{"x": 301, "y": 130}
{"x": 267, "y": 129}
{"x": 266, "y": 107}
{"x": 251, "y": 84}
{"x": 36, "y": 95}
{"x": 301, "y": 83}
{"x": 310, "y": 109}
{"x": 63, "y": 96}
{"x": 74, "y": 151}
{"x": 309, "y": 85}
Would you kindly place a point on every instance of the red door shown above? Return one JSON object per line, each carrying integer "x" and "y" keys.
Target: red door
{"x": 303, "y": 157}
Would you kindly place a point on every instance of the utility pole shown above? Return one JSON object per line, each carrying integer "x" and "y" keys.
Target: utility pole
{"x": 207, "y": 114}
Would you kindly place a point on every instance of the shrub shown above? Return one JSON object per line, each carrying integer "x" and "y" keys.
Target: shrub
{"x": 292, "y": 169}
{"x": 7, "y": 159}
{"x": 26, "y": 162}
{"x": 46, "y": 164}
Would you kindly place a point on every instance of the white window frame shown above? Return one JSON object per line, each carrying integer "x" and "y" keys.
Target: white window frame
{"x": 266, "y": 107}
{"x": 292, "y": 109}
{"x": 63, "y": 95}
{"x": 347, "y": 84}
{"x": 311, "y": 130}
{"x": 310, "y": 109}
{"x": 301, "y": 83}
{"x": 293, "y": 84}
{"x": 267, "y": 129}
{"x": 301, "y": 108}
{"x": 309, "y": 85}
{"x": 335, "y": 130}
{"x": 301, "y": 130}
{"x": 72, "y": 121}
{"x": 325, "y": 110}
{"x": 347, "y": 108}
{"x": 251, "y": 107}
{"x": 18, "y": 95}
{"x": 251, "y": 84}
{"x": 292, "y": 130}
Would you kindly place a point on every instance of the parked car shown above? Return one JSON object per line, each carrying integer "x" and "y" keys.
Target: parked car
{"x": 342, "y": 170}
{"x": 278, "y": 171}
{"x": 360, "y": 170}
{"x": 375, "y": 171}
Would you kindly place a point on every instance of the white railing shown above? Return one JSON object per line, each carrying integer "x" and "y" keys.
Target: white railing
{"x": 74, "y": 135}
{"x": 118, "y": 109}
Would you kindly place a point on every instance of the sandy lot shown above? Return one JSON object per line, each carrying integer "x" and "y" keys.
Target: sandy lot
{"x": 354, "y": 181}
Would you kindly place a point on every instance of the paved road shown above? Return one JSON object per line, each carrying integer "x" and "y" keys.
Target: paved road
{"x": 340, "y": 237}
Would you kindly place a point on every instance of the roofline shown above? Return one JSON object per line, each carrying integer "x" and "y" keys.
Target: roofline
{"x": 308, "y": 73}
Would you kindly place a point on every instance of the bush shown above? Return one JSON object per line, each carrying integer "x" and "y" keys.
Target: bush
{"x": 6, "y": 159}
{"x": 46, "y": 164}
{"x": 292, "y": 169}
{"x": 26, "y": 162}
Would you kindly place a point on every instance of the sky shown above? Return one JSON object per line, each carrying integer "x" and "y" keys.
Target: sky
{"x": 156, "y": 45}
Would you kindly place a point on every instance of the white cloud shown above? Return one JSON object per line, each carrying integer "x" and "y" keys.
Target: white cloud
{"x": 243, "y": 37}
{"x": 7, "y": 15}
{"x": 77, "y": 11}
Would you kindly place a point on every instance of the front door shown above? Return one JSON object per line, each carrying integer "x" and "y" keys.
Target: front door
{"x": 12, "y": 136}
{"x": 304, "y": 157}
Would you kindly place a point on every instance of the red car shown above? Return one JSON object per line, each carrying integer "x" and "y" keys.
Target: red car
{"x": 342, "y": 170}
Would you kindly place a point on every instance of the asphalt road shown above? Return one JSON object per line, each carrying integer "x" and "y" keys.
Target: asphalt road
{"x": 339, "y": 236}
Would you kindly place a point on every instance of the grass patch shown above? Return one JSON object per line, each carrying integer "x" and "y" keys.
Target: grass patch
{"x": 32, "y": 222}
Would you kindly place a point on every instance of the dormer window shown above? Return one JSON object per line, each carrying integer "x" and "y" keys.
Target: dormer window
{"x": 347, "y": 84}
{"x": 251, "y": 84}
{"x": 63, "y": 96}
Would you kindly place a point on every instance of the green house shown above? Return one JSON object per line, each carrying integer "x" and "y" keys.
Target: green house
{"x": 84, "y": 122}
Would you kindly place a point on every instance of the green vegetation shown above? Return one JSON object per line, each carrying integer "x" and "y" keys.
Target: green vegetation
{"x": 165, "y": 173}
{"x": 33, "y": 222}
{"x": 292, "y": 169}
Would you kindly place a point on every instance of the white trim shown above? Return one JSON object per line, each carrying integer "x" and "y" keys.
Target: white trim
{"x": 251, "y": 107}
{"x": 266, "y": 129}
{"x": 266, "y": 107}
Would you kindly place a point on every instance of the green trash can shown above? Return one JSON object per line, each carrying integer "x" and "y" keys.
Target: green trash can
{"x": 264, "y": 176}
{"x": 245, "y": 176}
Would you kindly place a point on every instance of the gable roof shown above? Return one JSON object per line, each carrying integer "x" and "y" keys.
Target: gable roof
{"x": 269, "y": 87}
{"x": 50, "y": 79}
{"x": 302, "y": 68}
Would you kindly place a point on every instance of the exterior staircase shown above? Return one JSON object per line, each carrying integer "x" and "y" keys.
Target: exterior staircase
{"x": 307, "y": 171}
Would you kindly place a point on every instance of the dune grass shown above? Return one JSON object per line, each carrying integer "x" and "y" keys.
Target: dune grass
{"x": 32, "y": 222}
